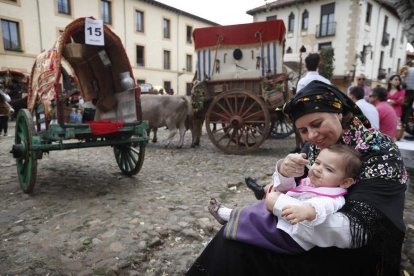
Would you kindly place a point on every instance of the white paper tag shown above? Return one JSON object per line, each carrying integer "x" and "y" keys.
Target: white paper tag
{"x": 104, "y": 57}
{"x": 94, "y": 32}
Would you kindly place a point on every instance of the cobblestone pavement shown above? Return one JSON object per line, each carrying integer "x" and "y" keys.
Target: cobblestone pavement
{"x": 86, "y": 218}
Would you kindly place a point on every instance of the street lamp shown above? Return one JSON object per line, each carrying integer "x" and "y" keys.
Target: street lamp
{"x": 366, "y": 50}
{"x": 301, "y": 51}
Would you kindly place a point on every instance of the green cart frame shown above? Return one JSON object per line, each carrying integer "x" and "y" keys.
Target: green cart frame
{"x": 73, "y": 70}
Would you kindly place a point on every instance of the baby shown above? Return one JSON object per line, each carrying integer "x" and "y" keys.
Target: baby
{"x": 316, "y": 196}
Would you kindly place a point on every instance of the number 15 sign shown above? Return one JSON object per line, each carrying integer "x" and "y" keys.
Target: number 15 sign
{"x": 94, "y": 32}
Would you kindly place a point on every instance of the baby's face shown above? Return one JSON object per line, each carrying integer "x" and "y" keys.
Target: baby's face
{"x": 328, "y": 170}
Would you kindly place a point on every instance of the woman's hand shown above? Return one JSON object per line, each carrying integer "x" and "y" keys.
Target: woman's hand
{"x": 391, "y": 102}
{"x": 271, "y": 199}
{"x": 293, "y": 165}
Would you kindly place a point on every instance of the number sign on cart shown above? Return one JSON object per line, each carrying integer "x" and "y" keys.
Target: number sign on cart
{"x": 94, "y": 34}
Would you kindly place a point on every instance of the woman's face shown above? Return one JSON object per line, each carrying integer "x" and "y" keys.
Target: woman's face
{"x": 395, "y": 81}
{"x": 321, "y": 129}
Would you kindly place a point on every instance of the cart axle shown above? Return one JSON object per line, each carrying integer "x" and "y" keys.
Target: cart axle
{"x": 18, "y": 150}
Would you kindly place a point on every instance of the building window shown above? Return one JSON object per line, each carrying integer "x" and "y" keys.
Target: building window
{"x": 166, "y": 28}
{"x": 368, "y": 15}
{"x": 402, "y": 37}
{"x": 189, "y": 34}
{"x": 167, "y": 86}
{"x": 11, "y": 35}
{"x": 326, "y": 45}
{"x": 392, "y": 47}
{"x": 398, "y": 65}
{"x": 382, "y": 73}
{"x": 189, "y": 63}
{"x": 139, "y": 21}
{"x": 291, "y": 22}
{"x": 167, "y": 62}
{"x": 64, "y": 6}
{"x": 106, "y": 11}
{"x": 385, "y": 36}
{"x": 272, "y": 17}
{"x": 305, "y": 20}
{"x": 140, "y": 55}
{"x": 327, "y": 26}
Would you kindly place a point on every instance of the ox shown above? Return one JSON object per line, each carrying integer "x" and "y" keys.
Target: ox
{"x": 169, "y": 111}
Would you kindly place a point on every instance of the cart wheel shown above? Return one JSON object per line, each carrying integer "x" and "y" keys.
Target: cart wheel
{"x": 129, "y": 158}
{"x": 282, "y": 127}
{"x": 26, "y": 163}
{"x": 241, "y": 121}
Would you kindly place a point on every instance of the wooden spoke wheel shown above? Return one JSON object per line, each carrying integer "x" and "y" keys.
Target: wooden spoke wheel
{"x": 26, "y": 162}
{"x": 237, "y": 122}
{"x": 130, "y": 158}
{"x": 282, "y": 127}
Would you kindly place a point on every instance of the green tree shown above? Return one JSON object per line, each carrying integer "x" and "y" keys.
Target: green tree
{"x": 327, "y": 67}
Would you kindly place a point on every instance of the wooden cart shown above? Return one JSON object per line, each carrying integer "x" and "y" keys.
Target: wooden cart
{"x": 80, "y": 95}
{"x": 241, "y": 85}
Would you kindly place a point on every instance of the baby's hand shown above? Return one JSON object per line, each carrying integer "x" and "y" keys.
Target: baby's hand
{"x": 297, "y": 213}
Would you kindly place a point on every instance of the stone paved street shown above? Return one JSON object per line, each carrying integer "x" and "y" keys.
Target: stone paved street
{"x": 86, "y": 218}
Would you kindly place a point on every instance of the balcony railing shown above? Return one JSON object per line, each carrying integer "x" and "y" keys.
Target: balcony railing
{"x": 382, "y": 73}
{"x": 327, "y": 29}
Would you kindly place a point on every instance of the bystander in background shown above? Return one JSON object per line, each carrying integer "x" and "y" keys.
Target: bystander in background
{"x": 409, "y": 92}
{"x": 387, "y": 116}
{"x": 396, "y": 98}
{"x": 360, "y": 81}
{"x": 356, "y": 93}
{"x": 312, "y": 64}
{"x": 5, "y": 109}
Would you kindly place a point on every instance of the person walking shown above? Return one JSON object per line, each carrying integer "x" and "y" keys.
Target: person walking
{"x": 356, "y": 94}
{"x": 360, "y": 81}
{"x": 312, "y": 64}
{"x": 388, "y": 119}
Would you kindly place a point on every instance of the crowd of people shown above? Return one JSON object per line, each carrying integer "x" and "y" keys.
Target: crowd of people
{"x": 391, "y": 102}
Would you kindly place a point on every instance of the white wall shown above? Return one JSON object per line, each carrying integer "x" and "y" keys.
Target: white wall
{"x": 351, "y": 34}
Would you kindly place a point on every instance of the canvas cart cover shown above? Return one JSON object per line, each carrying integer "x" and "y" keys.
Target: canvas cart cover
{"x": 239, "y": 51}
{"x": 97, "y": 70}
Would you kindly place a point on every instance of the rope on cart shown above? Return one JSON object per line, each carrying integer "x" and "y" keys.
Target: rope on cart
{"x": 220, "y": 38}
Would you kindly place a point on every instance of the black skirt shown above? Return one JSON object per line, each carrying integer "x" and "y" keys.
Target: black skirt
{"x": 228, "y": 257}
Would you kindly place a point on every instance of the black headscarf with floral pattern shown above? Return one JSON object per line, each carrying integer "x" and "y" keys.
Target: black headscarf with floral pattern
{"x": 375, "y": 203}
{"x": 318, "y": 96}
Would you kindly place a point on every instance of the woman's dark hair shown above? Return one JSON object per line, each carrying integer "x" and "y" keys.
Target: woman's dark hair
{"x": 390, "y": 79}
{"x": 347, "y": 117}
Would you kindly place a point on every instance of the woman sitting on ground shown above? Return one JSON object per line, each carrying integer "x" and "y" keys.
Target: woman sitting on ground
{"x": 372, "y": 215}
